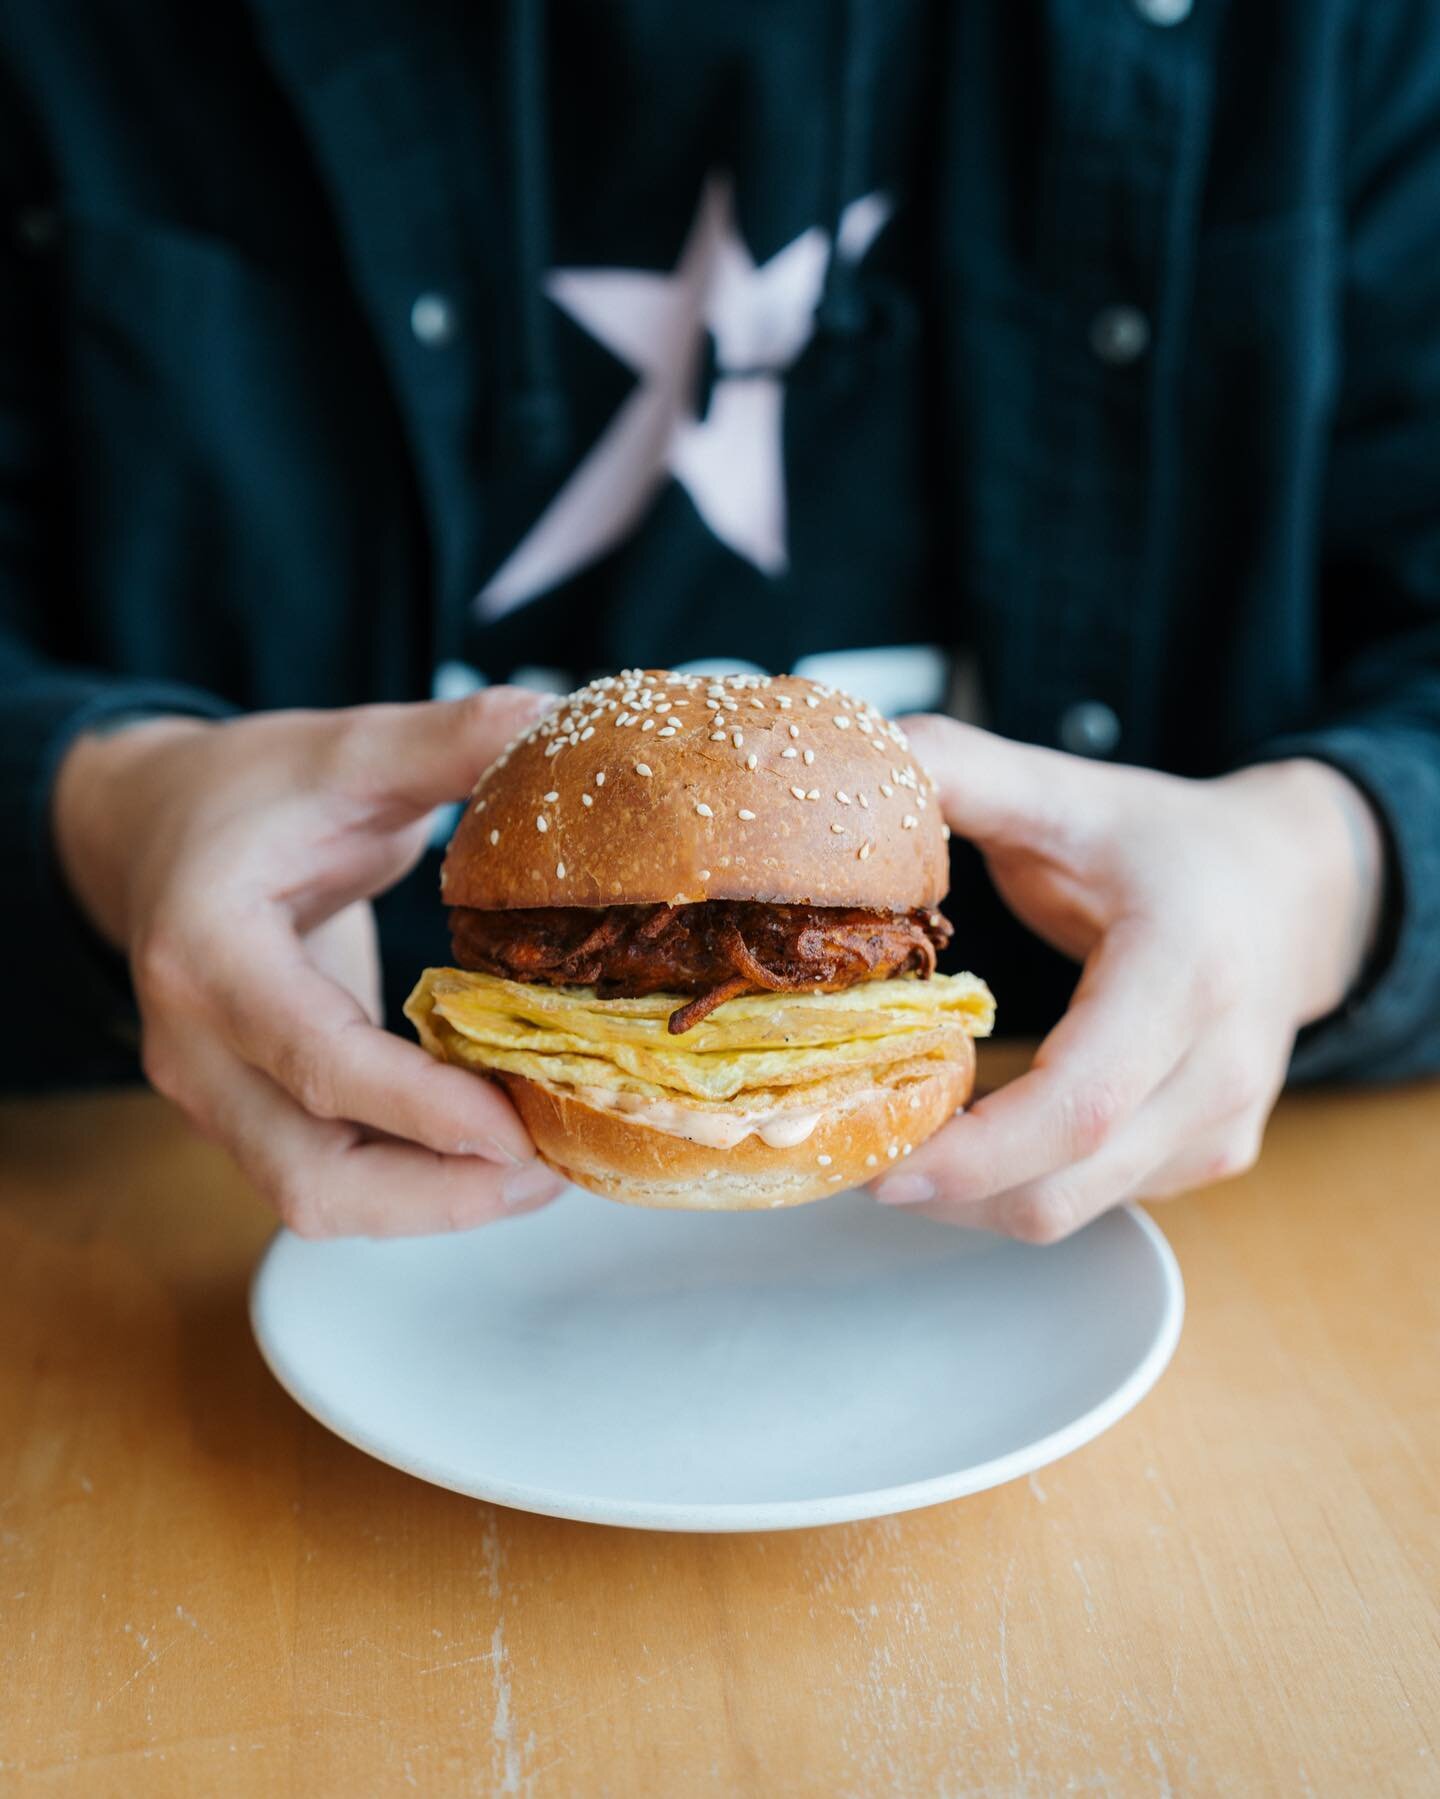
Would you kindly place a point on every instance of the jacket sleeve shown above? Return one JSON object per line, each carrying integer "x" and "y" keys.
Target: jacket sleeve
{"x": 1380, "y": 577}
{"x": 68, "y": 1001}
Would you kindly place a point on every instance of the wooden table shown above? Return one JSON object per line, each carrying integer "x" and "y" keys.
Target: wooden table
{"x": 1233, "y": 1592}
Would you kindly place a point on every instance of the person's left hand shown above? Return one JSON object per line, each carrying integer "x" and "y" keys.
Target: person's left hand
{"x": 1213, "y": 919}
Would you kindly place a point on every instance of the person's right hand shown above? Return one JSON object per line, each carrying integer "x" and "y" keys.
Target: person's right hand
{"x": 233, "y": 864}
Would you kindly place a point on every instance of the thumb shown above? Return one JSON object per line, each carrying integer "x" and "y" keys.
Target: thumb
{"x": 996, "y": 792}
{"x": 407, "y": 760}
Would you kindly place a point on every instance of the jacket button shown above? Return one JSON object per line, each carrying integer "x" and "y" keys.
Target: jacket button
{"x": 434, "y": 321}
{"x": 1089, "y": 728}
{"x": 1120, "y": 335}
{"x": 1164, "y": 12}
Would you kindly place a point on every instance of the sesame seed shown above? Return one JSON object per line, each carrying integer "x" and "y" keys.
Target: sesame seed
{"x": 945, "y": 832}
{"x": 799, "y": 792}
{"x": 704, "y": 874}
{"x": 642, "y": 768}
{"x": 542, "y": 823}
{"x": 871, "y": 1160}
{"x": 714, "y": 705}
{"x": 794, "y": 730}
{"x": 909, "y": 822}
{"x": 783, "y": 699}
{"x": 914, "y": 1103}
{"x": 809, "y": 757}
{"x": 703, "y": 809}
{"x": 842, "y": 722}
{"x": 832, "y": 1178}
{"x": 839, "y": 830}
{"x": 587, "y": 799}
{"x": 560, "y": 871}
{"x": 717, "y": 737}
{"x": 905, "y": 1149}
{"x": 648, "y": 725}
{"x": 674, "y": 722}
{"x": 842, "y": 796}
{"x": 788, "y": 755}
{"x": 600, "y": 777}
{"x": 494, "y": 837}
{"x": 751, "y": 760}
{"x": 864, "y": 851}
{"x": 745, "y": 812}
{"x": 824, "y": 1161}
{"x": 551, "y": 797}
{"x": 669, "y": 731}
{"x": 863, "y": 801}
{"x": 887, "y": 790}
{"x": 893, "y": 1151}
{"x": 587, "y": 733}
{"x": 810, "y": 700}
{"x": 737, "y": 738}
{"x": 813, "y": 794}
{"x": 759, "y": 705}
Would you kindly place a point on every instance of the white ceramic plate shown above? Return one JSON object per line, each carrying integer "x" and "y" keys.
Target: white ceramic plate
{"x": 734, "y": 1371}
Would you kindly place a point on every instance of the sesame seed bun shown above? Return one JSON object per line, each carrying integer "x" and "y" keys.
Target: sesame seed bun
{"x": 653, "y": 788}
{"x": 864, "y": 1132}
{"x": 650, "y": 787}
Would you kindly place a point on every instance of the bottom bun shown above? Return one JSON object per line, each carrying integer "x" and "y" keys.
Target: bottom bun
{"x": 854, "y": 1140}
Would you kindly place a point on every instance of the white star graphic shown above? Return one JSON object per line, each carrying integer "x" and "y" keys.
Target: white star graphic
{"x": 730, "y": 462}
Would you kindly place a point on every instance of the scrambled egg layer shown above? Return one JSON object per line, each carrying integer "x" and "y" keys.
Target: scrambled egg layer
{"x": 565, "y": 1036}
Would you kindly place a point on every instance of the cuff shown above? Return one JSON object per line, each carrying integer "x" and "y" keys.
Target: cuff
{"x": 74, "y": 990}
{"x": 1389, "y": 1025}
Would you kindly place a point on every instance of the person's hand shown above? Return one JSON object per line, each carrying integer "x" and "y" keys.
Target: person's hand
{"x": 233, "y": 864}
{"x": 1213, "y": 919}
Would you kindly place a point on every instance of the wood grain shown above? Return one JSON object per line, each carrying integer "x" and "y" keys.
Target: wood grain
{"x": 1236, "y": 1591}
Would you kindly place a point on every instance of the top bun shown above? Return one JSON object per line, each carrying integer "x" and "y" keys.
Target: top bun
{"x": 649, "y": 787}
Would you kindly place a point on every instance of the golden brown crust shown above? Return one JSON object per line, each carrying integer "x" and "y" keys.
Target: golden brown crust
{"x": 856, "y": 825}
{"x": 625, "y": 1159}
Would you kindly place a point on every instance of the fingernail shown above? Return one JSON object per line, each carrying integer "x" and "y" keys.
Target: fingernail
{"x": 905, "y": 1190}
{"x": 493, "y": 1150}
{"x": 529, "y": 1184}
